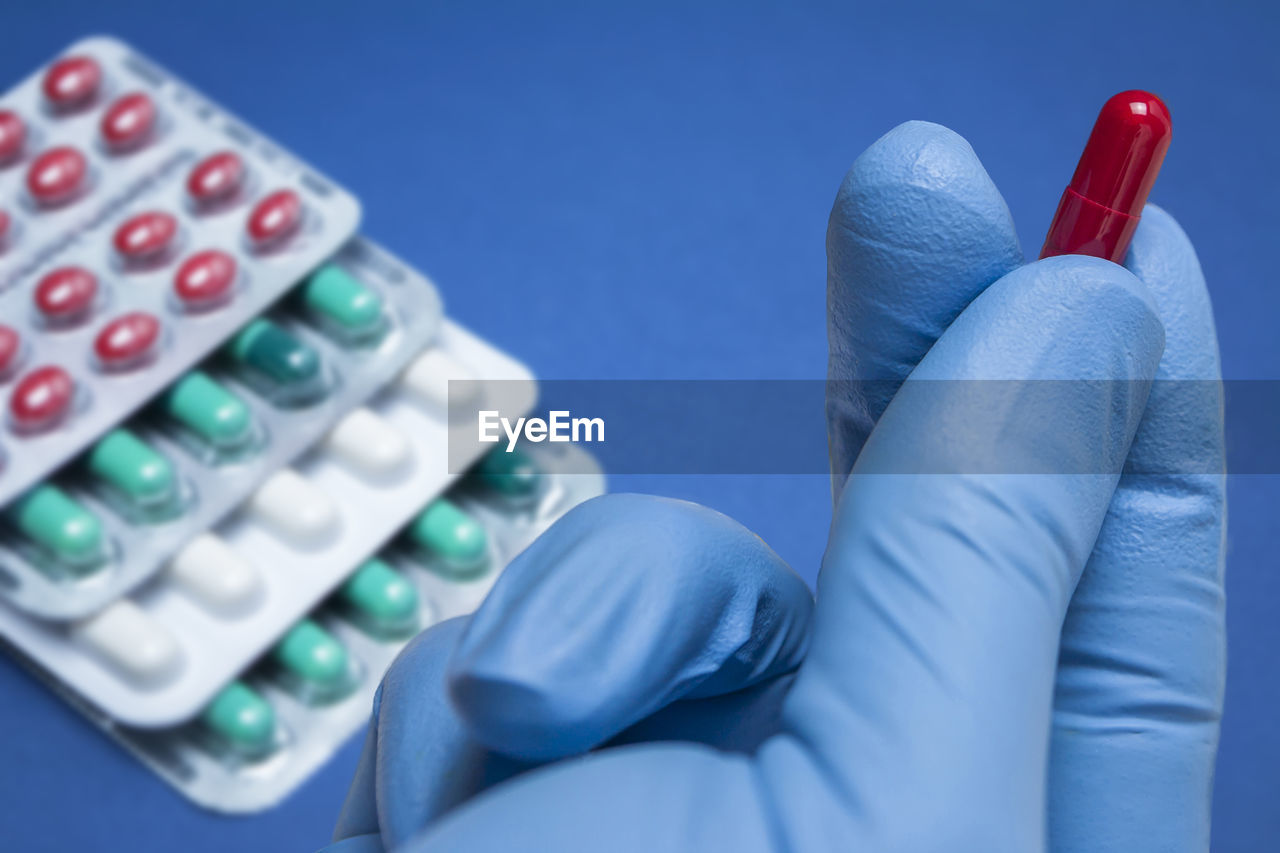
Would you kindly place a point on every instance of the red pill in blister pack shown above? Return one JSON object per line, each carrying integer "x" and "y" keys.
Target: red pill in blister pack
{"x": 65, "y": 295}
{"x": 205, "y": 280}
{"x": 72, "y": 82}
{"x": 274, "y": 218}
{"x": 42, "y": 398}
{"x": 127, "y": 340}
{"x": 216, "y": 178}
{"x": 145, "y": 236}
{"x": 13, "y": 133}
{"x": 10, "y": 350}
{"x": 57, "y": 175}
{"x": 128, "y": 122}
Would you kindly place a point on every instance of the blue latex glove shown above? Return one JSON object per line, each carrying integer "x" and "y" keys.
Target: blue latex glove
{"x": 994, "y": 662}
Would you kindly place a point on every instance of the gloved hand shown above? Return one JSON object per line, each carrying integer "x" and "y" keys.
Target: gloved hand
{"x": 995, "y": 661}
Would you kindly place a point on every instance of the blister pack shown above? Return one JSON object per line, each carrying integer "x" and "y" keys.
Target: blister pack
{"x": 148, "y": 486}
{"x": 225, "y": 505}
{"x": 140, "y": 226}
{"x": 155, "y": 657}
{"x": 267, "y": 730}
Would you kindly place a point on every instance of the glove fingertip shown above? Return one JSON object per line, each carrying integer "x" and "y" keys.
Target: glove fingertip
{"x": 918, "y": 230}
{"x": 922, "y": 185}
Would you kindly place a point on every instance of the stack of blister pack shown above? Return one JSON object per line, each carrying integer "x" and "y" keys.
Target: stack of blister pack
{"x": 226, "y": 499}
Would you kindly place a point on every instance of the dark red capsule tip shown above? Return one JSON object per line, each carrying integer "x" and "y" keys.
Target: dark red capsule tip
{"x": 1123, "y": 156}
{"x": 1099, "y": 210}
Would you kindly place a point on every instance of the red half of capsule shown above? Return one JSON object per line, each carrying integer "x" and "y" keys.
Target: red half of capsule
{"x": 1100, "y": 208}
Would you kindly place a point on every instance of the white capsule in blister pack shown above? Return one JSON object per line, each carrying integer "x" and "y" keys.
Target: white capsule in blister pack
{"x": 369, "y": 446}
{"x": 211, "y": 573}
{"x": 296, "y": 511}
{"x": 127, "y": 639}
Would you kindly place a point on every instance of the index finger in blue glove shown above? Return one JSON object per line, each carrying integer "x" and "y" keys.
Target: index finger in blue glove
{"x": 1141, "y": 674}
{"x": 917, "y": 231}
{"x": 627, "y": 604}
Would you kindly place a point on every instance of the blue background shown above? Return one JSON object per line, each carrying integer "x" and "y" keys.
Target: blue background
{"x": 643, "y": 192}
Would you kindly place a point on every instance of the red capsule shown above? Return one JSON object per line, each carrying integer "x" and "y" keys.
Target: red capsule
{"x": 66, "y": 294}
{"x": 12, "y": 134}
{"x": 127, "y": 123}
{"x": 56, "y": 175}
{"x": 41, "y": 397}
{"x": 1099, "y": 210}
{"x": 275, "y": 217}
{"x": 126, "y": 340}
{"x": 10, "y": 348}
{"x": 72, "y": 81}
{"x": 216, "y": 177}
{"x": 205, "y": 279}
{"x": 4, "y": 226}
{"x": 146, "y": 235}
